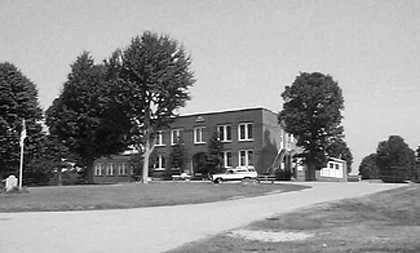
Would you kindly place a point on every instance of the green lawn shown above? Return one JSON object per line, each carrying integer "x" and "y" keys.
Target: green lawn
{"x": 383, "y": 222}
{"x": 131, "y": 195}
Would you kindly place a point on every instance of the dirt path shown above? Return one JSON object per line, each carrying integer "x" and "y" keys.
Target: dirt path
{"x": 156, "y": 229}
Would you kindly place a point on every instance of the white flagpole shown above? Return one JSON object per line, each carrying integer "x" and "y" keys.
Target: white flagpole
{"x": 22, "y": 144}
{"x": 21, "y": 167}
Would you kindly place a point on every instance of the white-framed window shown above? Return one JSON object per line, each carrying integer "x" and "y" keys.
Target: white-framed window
{"x": 198, "y": 135}
{"x": 224, "y": 133}
{"x": 159, "y": 138}
{"x": 121, "y": 169}
{"x": 246, "y": 158}
{"x": 227, "y": 159}
{"x": 110, "y": 169}
{"x": 175, "y": 135}
{"x": 245, "y": 131}
{"x": 98, "y": 169}
{"x": 159, "y": 163}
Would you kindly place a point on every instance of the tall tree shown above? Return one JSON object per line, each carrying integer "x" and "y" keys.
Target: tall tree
{"x": 339, "y": 149}
{"x": 214, "y": 159}
{"x": 83, "y": 118}
{"x": 153, "y": 75}
{"x": 18, "y": 100}
{"x": 368, "y": 168}
{"x": 395, "y": 159}
{"x": 312, "y": 113}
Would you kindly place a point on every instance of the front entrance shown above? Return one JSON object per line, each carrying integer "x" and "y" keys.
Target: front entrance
{"x": 199, "y": 163}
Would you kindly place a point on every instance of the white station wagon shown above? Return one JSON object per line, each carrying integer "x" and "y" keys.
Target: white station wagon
{"x": 237, "y": 174}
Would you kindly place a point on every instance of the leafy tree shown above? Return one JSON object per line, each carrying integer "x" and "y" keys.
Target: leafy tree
{"x": 214, "y": 160}
{"x": 368, "y": 168}
{"x": 177, "y": 156}
{"x": 396, "y": 161}
{"x": 52, "y": 157}
{"x": 18, "y": 100}
{"x": 339, "y": 149}
{"x": 83, "y": 118}
{"x": 312, "y": 113}
{"x": 153, "y": 78}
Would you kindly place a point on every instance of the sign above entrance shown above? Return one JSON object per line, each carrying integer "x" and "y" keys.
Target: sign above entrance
{"x": 199, "y": 119}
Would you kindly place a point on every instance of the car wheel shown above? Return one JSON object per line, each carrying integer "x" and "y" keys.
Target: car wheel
{"x": 246, "y": 180}
{"x": 218, "y": 181}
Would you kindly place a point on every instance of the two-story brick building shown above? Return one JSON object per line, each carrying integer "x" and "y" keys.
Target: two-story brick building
{"x": 250, "y": 137}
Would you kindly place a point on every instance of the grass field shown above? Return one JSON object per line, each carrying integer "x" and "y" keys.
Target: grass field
{"x": 383, "y": 222}
{"x": 132, "y": 195}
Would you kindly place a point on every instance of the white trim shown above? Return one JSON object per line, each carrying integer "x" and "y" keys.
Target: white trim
{"x": 199, "y": 139}
{"x": 178, "y": 134}
{"x": 110, "y": 169}
{"x": 247, "y": 160}
{"x": 225, "y": 159}
{"x": 98, "y": 169}
{"x": 225, "y": 128}
{"x": 246, "y": 132}
{"x": 160, "y": 159}
{"x": 160, "y": 140}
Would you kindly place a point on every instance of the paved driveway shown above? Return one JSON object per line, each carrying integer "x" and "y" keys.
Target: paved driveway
{"x": 156, "y": 229}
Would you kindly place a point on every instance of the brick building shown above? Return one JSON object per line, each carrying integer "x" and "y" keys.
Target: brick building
{"x": 250, "y": 137}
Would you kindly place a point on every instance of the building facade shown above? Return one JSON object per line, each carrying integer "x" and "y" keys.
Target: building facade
{"x": 251, "y": 138}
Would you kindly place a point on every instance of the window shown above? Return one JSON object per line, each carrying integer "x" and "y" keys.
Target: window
{"x": 337, "y": 166}
{"x": 175, "y": 135}
{"x": 198, "y": 135}
{"x": 98, "y": 169}
{"x": 110, "y": 169}
{"x": 159, "y": 138}
{"x": 121, "y": 169}
{"x": 227, "y": 159}
{"x": 159, "y": 163}
{"x": 245, "y": 131}
{"x": 246, "y": 158}
{"x": 224, "y": 133}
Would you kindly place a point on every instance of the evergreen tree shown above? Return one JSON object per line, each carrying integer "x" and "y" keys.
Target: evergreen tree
{"x": 18, "y": 101}
{"x": 214, "y": 160}
{"x": 177, "y": 156}
{"x": 312, "y": 113}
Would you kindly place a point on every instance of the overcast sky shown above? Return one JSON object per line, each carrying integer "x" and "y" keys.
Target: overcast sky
{"x": 244, "y": 52}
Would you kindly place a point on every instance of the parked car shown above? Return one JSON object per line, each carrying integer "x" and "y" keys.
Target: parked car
{"x": 236, "y": 174}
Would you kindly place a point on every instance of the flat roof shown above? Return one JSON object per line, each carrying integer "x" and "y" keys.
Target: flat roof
{"x": 226, "y": 111}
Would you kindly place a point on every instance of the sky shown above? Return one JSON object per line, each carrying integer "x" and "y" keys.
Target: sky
{"x": 243, "y": 52}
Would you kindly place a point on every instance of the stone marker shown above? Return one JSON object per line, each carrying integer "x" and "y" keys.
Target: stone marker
{"x": 11, "y": 182}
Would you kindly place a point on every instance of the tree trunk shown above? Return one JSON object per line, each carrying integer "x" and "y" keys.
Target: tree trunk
{"x": 89, "y": 171}
{"x": 310, "y": 172}
{"x": 146, "y": 157}
{"x": 59, "y": 177}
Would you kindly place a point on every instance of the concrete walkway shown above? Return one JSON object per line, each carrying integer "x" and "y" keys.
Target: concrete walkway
{"x": 156, "y": 229}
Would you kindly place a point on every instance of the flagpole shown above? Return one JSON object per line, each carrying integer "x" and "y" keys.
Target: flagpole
{"x": 21, "y": 167}
{"x": 21, "y": 144}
